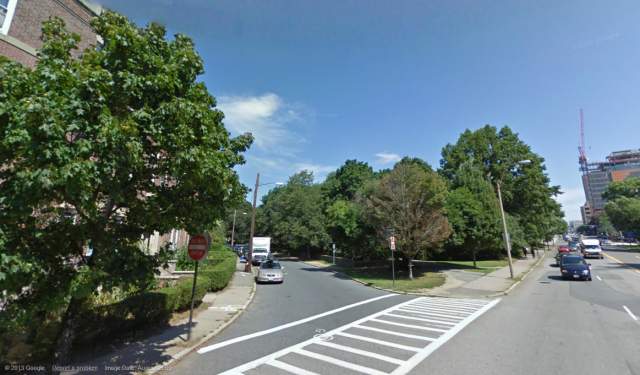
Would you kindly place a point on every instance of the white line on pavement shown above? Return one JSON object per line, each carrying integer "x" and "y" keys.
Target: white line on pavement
{"x": 424, "y": 353}
{"x": 428, "y": 313}
{"x": 387, "y": 332}
{"x": 420, "y": 319}
{"x": 290, "y": 368}
{"x": 339, "y": 362}
{"x": 380, "y": 342}
{"x": 412, "y": 326}
{"x": 444, "y": 310}
{"x": 630, "y": 313}
{"x": 360, "y": 352}
{"x": 235, "y": 340}
{"x": 598, "y": 277}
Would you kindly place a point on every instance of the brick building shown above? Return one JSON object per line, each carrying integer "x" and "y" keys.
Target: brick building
{"x": 21, "y": 23}
{"x": 20, "y": 32}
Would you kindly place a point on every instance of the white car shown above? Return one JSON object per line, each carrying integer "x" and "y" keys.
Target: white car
{"x": 270, "y": 272}
{"x": 591, "y": 248}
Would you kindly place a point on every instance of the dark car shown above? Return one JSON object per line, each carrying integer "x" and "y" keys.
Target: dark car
{"x": 575, "y": 267}
{"x": 561, "y": 254}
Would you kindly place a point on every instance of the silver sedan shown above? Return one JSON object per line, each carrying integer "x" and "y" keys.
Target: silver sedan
{"x": 270, "y": 272}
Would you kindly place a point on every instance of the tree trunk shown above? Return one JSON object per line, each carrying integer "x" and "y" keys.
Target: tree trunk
{"x": 410, "y": 269}
{"x": 474, "y": 257}
{"x": 62, "y": 354}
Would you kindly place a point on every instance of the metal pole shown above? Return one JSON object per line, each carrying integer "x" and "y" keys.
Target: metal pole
{"x": 233, "y": 228}
{"x": 193, "y": 294}
{"x": 334, "y": 254}
{"x": 247, "y": 268}
{"x": 393, "y": 269}
{"x": 507, "y": 240}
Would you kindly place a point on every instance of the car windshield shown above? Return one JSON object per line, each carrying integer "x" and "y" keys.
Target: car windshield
{"x": 271, "y": 266}
{"x": 591, "y": 247}
{"x": 573, "y": 260}
{"x": 260, "y": 251}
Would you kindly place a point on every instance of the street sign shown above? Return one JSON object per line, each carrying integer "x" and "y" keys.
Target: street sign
{"x": 392, "y": 243}
{"x": 198, "y": 247}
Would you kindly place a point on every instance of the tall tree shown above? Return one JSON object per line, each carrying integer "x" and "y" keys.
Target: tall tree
{"x": 472, "y": 210}
{"x": 292, "y": 215}
{"x": 107, "y": 148}
{"x": 623, "y": 206}
{"x": 411, "y": 200}
{"x": 345, "y": 219}
{"x": 526, "y": 190}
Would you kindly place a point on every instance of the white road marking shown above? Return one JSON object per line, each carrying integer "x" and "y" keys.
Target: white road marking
{"x": 598, "y": 277}
{"x": 219, "y": 345}
{"x": 637, "y": 256}
{"x": 339, "y": 362}
{"x": 387, "y": 332}
{"x": 428, "y": 313}
{"x": 422, "y": 319}
{"x": 290, "y": 368}
{"x": 630, "y": 313}
{"x": 380, "y": 342}
{"x": 465, "y": 313}
{"x": 412, "y": 326}
{"x": 365, "y": 353}
{"x": 419, "y": 353}
{"x": 424, "y": 353}
{"x": 446, "y": 307}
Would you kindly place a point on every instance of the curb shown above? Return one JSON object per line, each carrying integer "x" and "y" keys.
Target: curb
{"x": 506, "y": 292}
{"x": 503, "y": 293}
{"x": 181, "y": 354}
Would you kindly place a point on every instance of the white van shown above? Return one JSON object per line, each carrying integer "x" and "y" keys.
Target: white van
{"x": 591, "y": 248}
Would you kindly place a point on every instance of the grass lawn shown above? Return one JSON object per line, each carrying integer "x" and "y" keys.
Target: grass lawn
{"x": 381, "y": 278}
{"x": 483, "y": 266}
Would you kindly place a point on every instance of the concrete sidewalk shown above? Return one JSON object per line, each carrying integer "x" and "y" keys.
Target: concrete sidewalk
{"x": 157, "y": 353}
{"x": 489, "y": 285}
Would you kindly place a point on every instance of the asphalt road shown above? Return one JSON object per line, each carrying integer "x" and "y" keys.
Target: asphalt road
{"x": 546, "y": 326}
{"x": 551, "y": 326}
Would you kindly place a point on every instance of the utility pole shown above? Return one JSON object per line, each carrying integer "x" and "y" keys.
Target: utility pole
{"x": 507, "y": 240}
{"x": 233, "y": 227}
{"x": 247, "y": 268}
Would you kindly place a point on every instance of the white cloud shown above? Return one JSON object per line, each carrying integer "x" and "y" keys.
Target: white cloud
{"x": 387, "y": 158}
{"x": 266, "y": 116}
{"x": 571, "y": 201}
{"x": 319, "y": 171}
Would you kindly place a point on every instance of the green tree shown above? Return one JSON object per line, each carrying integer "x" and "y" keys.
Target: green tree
{"x": 526, "y": 190}
{"x": 472, "y": 210}
{"x": 345, "y": 219}
{"x": 411, "y": 200}
{"x": 623, "y": 206}
{"x": 243, "y": 223}
{"x": 292, "y": 215}
{"x": 104, "y": 149}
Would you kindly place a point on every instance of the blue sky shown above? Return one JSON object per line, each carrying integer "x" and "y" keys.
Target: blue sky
{"x": 319, "y": 82}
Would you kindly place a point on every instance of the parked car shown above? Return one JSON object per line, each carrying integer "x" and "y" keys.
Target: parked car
{"x": 270, "y": 272}
{"x": 259, "y": 256}
{"x": 575, "y": 267}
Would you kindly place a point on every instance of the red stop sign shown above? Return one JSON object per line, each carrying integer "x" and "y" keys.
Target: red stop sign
{"x": 198, "y": 246}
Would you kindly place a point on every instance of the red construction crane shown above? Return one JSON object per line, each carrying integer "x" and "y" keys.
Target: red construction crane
{"x": 581, "y": 149}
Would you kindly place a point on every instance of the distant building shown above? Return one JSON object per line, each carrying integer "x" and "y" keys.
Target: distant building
{"x": 597, "y": 176}
{"x": 21, "y": 25}
{"x": 20, "y": 38}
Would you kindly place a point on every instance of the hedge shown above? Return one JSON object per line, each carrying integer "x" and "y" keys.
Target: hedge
{"x": 156, "y": 306}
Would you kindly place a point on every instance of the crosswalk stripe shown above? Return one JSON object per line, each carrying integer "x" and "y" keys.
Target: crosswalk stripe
{"x": 448, "y": 307}
{"x": 433, "y": 309}
{"x": 476, "y": 303}
{"x": 431, "y": 314}
{"x": 424, "y": 338}
{"x": 380, "y": 342}
{"x": 290, "y": 368}
{"x": 421, "y": 319}
{"x": 413, "y": 326}
{"x": 339, "y": 362}
{"x": 360, "y": 352}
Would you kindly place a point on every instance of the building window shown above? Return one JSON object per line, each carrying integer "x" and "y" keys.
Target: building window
{"x": 7, "y": 8}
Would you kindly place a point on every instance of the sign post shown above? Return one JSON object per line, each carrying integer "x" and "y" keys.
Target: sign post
{"x": 334, "y": 254}
{"x": 197, "y": 249}
{"x": 392, "y": 246}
